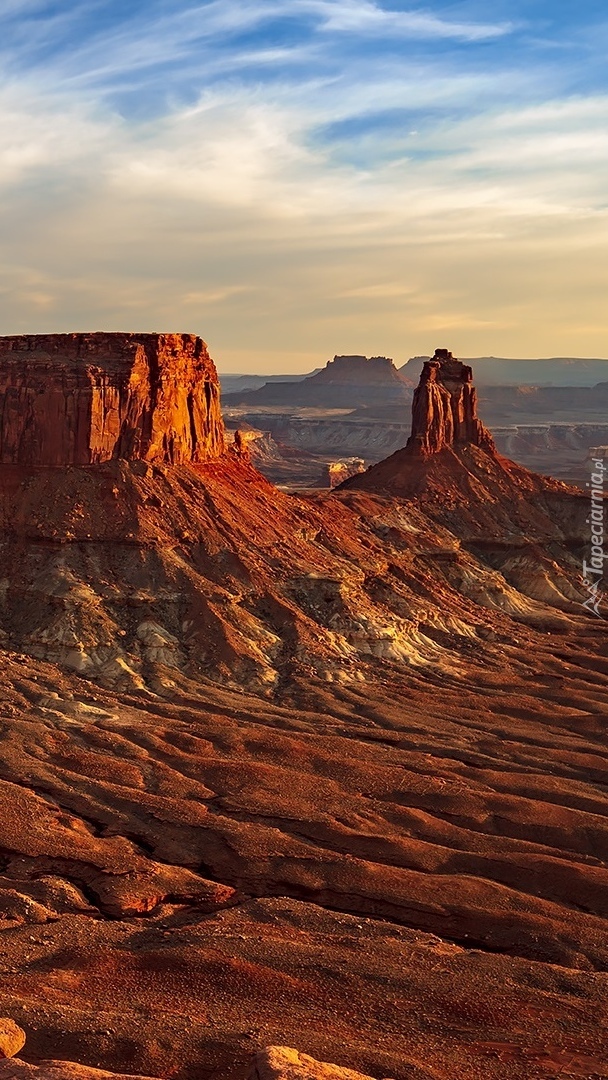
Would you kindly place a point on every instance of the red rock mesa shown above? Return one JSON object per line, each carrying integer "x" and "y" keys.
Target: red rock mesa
{"x": 79, "y": 399}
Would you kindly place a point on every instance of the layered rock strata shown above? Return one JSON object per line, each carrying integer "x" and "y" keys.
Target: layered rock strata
{"x": 80, "y": 399}
{"x": 444, "y": 409}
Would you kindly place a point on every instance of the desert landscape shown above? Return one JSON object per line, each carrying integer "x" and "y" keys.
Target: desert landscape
{"x": 293, "y": 786}
{"x": 545, "y": 414}
{"x": 303, "y": 502}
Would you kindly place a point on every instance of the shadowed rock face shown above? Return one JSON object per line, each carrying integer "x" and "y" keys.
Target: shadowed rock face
{"x": 444, "y": 409}
{"x": 80, "y": 399}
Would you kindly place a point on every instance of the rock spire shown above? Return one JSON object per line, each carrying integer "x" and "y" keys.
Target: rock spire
{"x": 444, "y": 408}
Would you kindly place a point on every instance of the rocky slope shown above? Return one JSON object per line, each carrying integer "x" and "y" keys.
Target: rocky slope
{"x": 320, "y": 772}
{"x": 272, "y": 1063}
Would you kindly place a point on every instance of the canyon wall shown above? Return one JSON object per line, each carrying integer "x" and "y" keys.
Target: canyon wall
{"x": 80, "y": 399}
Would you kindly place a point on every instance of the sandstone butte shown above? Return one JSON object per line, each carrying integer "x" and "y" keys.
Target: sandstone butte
{"x": 80, "y": 399}
{"x": 444, "y": 409}
{"x": 320, "y": 772}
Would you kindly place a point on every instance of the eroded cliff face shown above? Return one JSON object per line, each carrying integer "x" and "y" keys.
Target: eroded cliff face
{"x": 444, "y": 409}
{"x": 80, "y": 399}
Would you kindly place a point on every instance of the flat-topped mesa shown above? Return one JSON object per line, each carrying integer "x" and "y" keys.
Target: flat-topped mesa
{"x": 360, "y": 369}
{"x": 444, "y": 409}
{"x": 80, "y": 399}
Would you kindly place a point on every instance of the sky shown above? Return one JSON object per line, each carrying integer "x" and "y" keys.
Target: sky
{"x": 297, "y": 178}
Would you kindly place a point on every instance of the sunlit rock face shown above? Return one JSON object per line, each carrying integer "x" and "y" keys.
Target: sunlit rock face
{"x": 444, "y": 409}
{"x": 80, "y": 399}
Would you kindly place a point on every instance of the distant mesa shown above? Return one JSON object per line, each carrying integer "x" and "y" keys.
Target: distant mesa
{"x": 555, "y": 371}
{"x": 80, "y": 399}
{"x": 232, "y": 383}
{"x": 344, "y": 382}
{"x": 374, "y": 370}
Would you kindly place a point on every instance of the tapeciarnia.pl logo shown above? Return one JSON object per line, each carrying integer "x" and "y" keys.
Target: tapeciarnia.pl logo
{"x": 593, "y": 571}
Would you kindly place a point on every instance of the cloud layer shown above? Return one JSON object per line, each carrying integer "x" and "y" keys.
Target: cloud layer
{"x": 295, "y": 179}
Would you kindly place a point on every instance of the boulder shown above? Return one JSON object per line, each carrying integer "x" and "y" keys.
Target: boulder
{"x": 12, "y": 1038}
{"x": 283, "y": 1063}
{"x": 336, "y": 472}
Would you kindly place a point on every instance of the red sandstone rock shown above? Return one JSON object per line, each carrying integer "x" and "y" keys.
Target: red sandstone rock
{"x": 283, "y": 1063}
{"x": 78, "y": 399}
{"x": 336, "y": 472}
{"x": 444, "y": 409}
{"x": 451, "y": 468}
{"x": 58, "y": 1070}
{"x": 12, "y": 1038}
{"x": 457, "y": 793}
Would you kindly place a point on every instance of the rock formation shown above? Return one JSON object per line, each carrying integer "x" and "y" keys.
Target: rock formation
{"x": 336, "y": 472}
{"x": 451, "y": 469}
{"x": 15, "y": 1069}
{"x": 80, "y": 399}
{"x": 444, "y": 409}
{"x": 273, "y": 1063}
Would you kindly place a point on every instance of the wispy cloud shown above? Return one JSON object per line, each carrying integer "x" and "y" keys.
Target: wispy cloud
{"x": 85, "y": 48}
{"x": 331, "y": 172}
{"x": 366, "y": 17}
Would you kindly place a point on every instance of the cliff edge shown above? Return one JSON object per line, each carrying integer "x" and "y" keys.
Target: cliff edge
{"x": 81, "y": 399}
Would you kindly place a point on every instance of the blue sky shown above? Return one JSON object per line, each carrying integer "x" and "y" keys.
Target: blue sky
{"x": 300, "y": 177}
